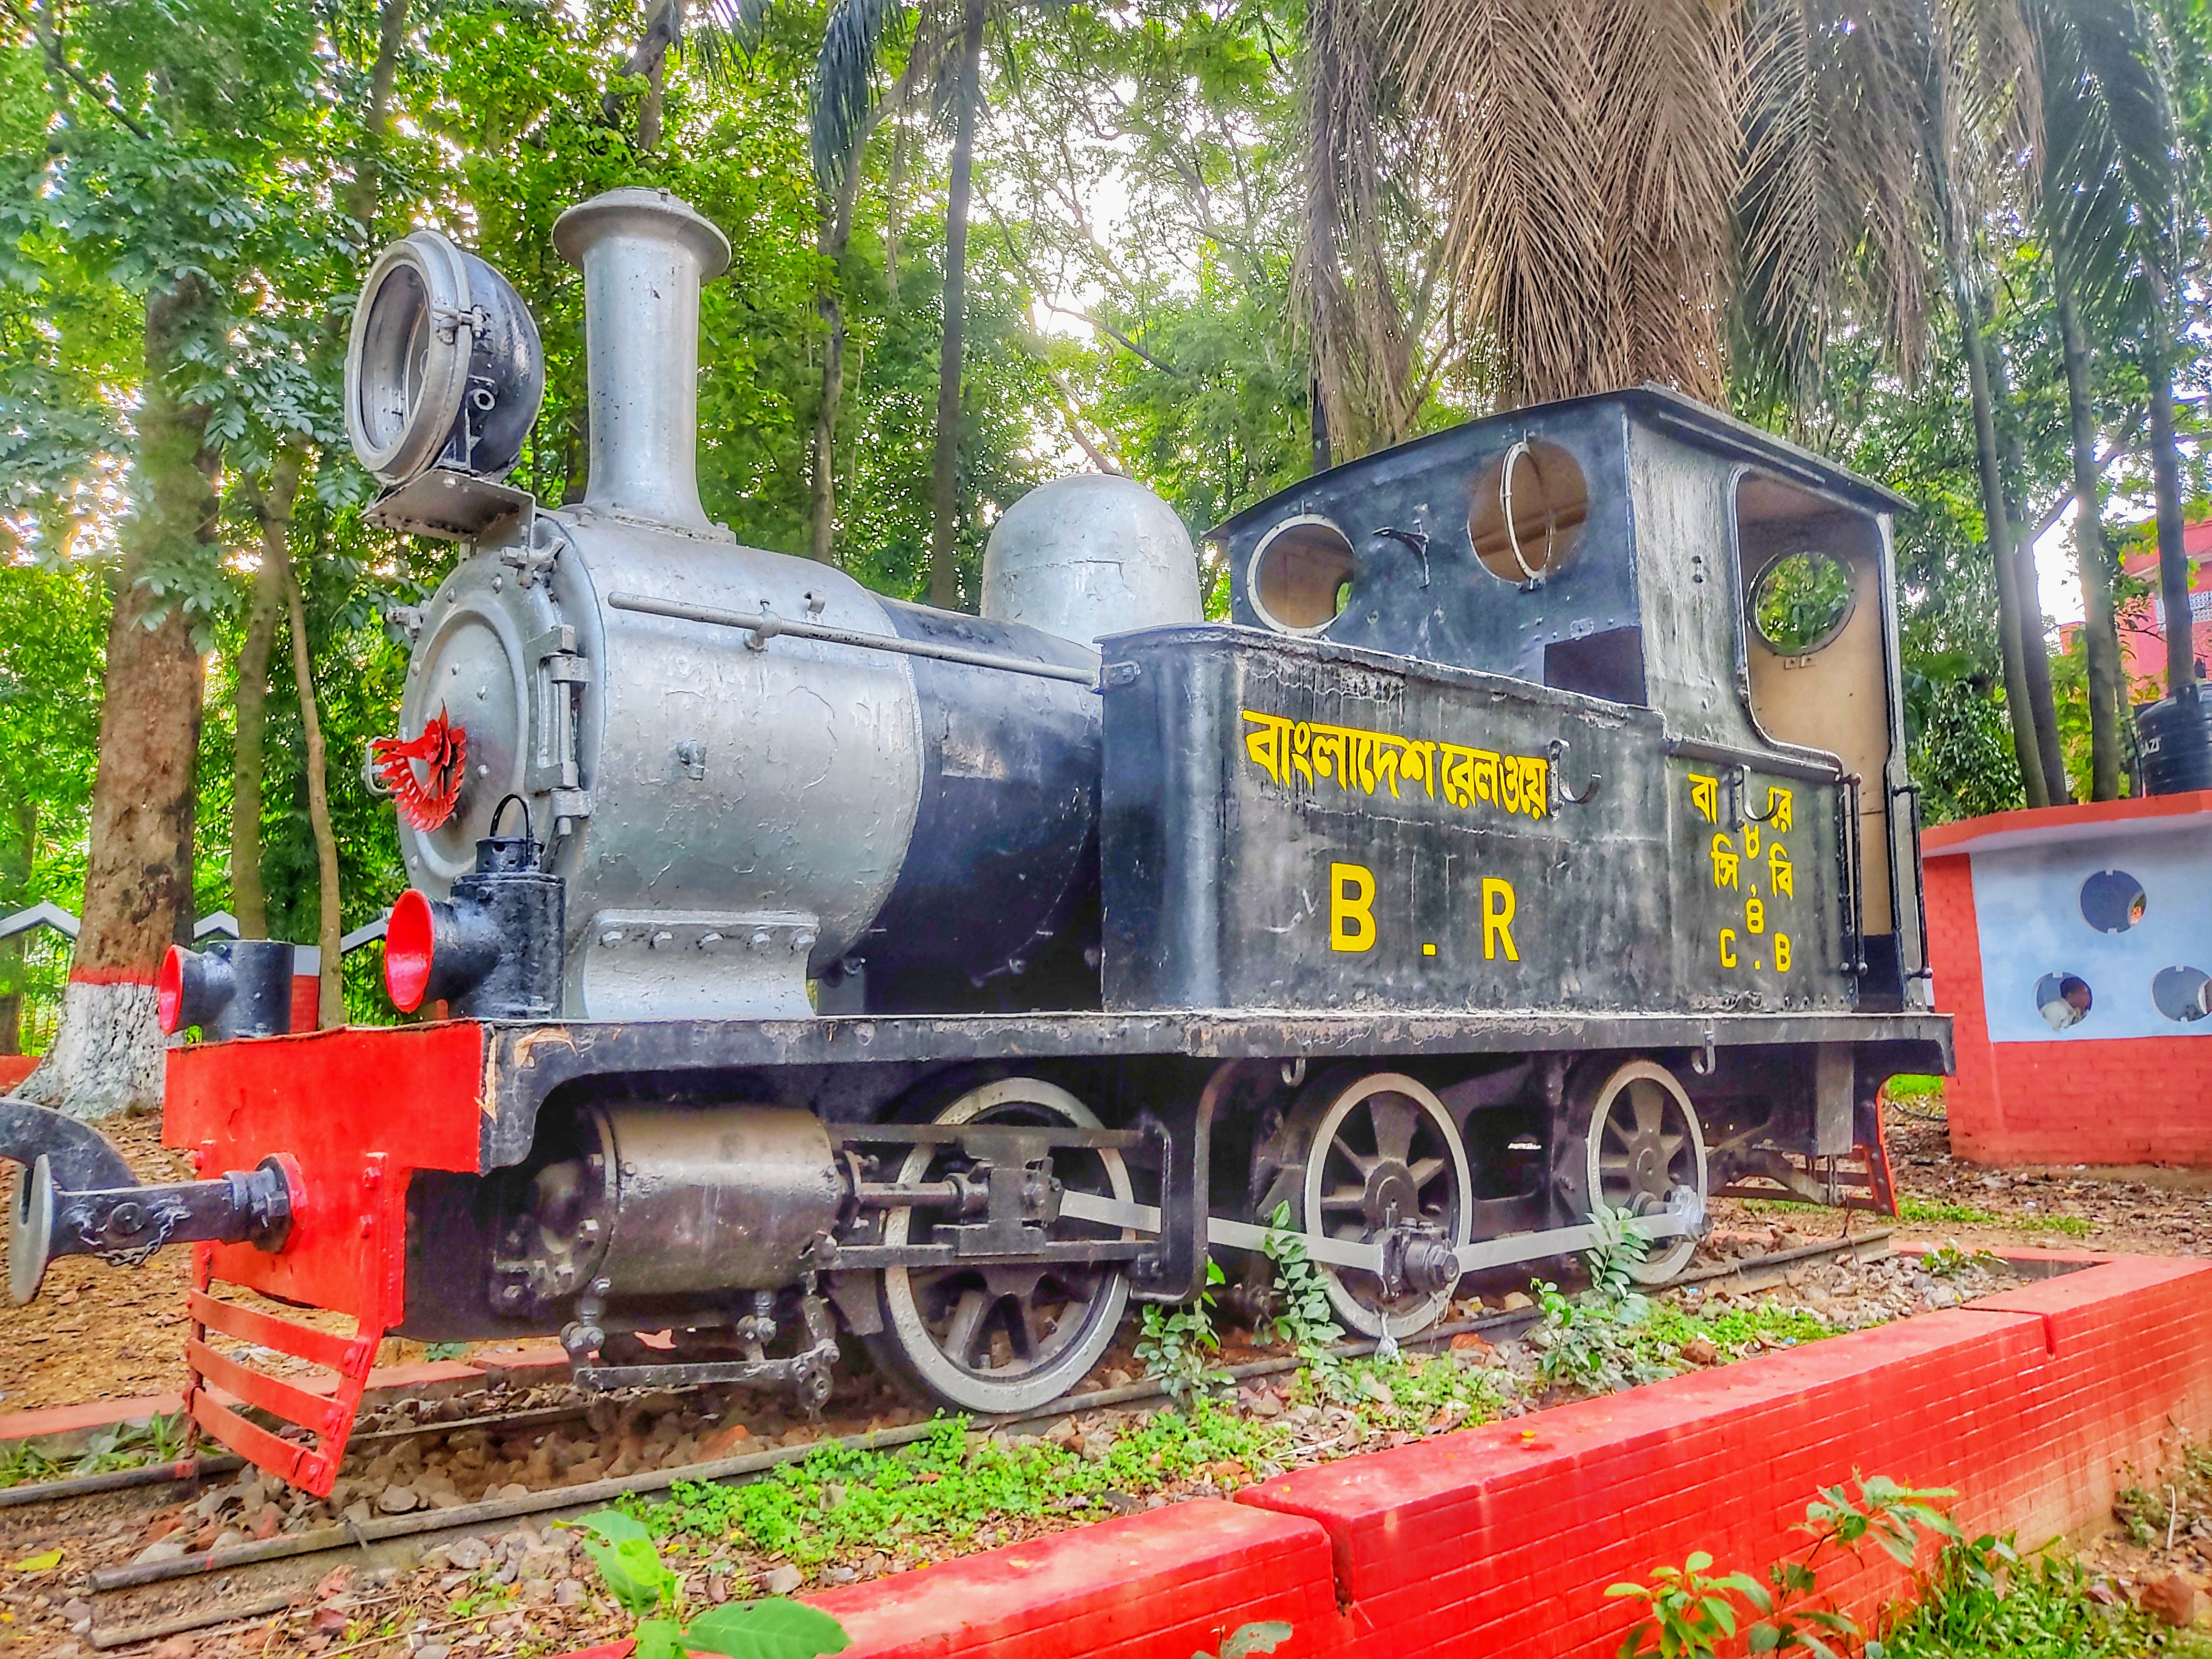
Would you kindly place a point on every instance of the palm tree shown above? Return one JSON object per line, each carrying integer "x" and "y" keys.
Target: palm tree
{"x": 1583, "y": 206}
{"x": 1647, "y": 189}
{"x": 945, "y": 51}
{"x": 2110, "y": 183}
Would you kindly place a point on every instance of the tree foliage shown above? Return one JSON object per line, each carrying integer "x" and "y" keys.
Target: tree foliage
{"x": 1213, "y": 241}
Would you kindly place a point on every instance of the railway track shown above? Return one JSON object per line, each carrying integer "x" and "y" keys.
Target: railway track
{"x": 134, "y": 1603}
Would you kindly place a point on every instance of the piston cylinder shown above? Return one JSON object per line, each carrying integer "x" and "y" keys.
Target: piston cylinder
{"x": 666, "y": 1200}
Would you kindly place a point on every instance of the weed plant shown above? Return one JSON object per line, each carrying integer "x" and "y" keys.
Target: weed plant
{"x": 1940, "y": 1211}
{"x": 2168, "y": 1511}
{"x": 1612, "y": 1337}
{"x": 1984, "y": 1601}
{"x": 644, "y": 1586}
{"x": 125, "y": 1446}
{"x": 1981, "y": 1598}
{"x": 1690, "y": 1613}
{"x": 1178, "y": 1346}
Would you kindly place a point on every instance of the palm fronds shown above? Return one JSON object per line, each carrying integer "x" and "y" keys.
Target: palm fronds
{"x": 1342, "y": 284}
{"x": 2112, "y": 179}
{"x": 844, "y": 93}
{"x": 726, "y": 32}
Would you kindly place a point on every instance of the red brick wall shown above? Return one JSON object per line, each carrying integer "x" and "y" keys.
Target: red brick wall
{"x": 1501, "y": 1541}
{"x": 1954, "y": 952}
{"x": 2124, "y": 1100}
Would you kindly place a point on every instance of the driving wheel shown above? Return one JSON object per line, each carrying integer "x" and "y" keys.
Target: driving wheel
{"x": 1003, "y": 1337}
{"x": 1644, "y": 1153}
{"x": 1377, "y": 1152}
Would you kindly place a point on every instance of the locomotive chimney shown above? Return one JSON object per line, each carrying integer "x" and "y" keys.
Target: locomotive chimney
{"x": 643, "y": 253}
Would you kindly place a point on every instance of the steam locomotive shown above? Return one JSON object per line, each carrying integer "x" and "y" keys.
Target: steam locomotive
{"x": 792, "y": 961}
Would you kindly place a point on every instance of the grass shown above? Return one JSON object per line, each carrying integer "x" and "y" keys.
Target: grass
{"x": 1967, "y": 1215}
{"x": 1737, "y": 1333}
{"x": 1908, "y": 1089}
{"x": 951, "y": 1487}
{"x": 1985, "y": 1602}
{"x": 125, "y": 1446}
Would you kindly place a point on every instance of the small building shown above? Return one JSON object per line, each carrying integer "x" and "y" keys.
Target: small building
{"x": 2141, "y": 622}
{"x": 2073, "y": 945}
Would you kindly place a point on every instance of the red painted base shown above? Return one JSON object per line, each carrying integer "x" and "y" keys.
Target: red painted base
{"x": 1502, "y": 1540}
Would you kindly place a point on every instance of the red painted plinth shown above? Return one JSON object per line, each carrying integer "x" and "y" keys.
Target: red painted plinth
{"x": 1501, "y": 1541}
{"x": 2084, "y": 1098}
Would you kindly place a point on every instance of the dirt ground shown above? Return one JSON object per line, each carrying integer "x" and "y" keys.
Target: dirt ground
{"x": 2128, "y": 1208}
{"x": 99, "y": 1333}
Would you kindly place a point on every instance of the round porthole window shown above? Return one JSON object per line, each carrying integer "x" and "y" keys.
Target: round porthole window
{"x": 1800, "y": 601}
{"x": 1301, "y": 576}
{"x": 2112, "y": 900}
{"x": 2183, "y": 995}
{"x": 1528, "y": 508}
{"x": 2063, "y": 1000}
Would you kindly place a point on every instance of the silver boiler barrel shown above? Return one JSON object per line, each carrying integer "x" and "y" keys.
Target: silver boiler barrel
{"x": 737, "y": 815}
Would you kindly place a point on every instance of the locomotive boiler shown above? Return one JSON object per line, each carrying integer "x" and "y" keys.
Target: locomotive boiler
{"x": 1533, "y": 837}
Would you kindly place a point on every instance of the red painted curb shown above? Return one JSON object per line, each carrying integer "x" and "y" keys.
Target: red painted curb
{"x": 1501, "y": 1541}
{"x": 1177, "y": 1578}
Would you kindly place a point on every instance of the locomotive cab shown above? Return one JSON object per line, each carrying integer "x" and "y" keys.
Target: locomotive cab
{"x": 1641, "y": 549}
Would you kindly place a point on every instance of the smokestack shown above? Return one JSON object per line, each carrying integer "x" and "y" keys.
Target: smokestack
{"x": 643, "y": 253}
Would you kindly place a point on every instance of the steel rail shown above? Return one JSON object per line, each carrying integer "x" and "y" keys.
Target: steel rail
{"x": 201, "y": 1468}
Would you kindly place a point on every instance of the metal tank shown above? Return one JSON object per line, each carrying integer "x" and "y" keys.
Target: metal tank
{"x": 1089, "y": 555}
{"x": 762, "y": 785}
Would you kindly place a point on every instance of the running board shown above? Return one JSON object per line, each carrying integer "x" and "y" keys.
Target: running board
{"x": 1368, "y": 1258}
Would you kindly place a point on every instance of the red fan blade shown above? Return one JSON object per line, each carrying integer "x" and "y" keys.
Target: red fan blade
{"x": 429, "y": 800}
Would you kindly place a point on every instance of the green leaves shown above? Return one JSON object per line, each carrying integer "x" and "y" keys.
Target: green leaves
{"x": 630, "y": 1567}
{"x": 1304, "y": 1317}
{"x": 771, "y": 1629}
{"x": 1176, "y": 1346}
{"x": 622, "y": 1548}
{"x": 1261, "y": 1635}
{"x": 1691, "y": 1614}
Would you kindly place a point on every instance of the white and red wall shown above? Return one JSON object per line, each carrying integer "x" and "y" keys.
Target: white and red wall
{"x": 2131, "y": 1081}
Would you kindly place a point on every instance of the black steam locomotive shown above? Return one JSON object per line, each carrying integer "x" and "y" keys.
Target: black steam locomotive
{"x": 1534, "y": 836}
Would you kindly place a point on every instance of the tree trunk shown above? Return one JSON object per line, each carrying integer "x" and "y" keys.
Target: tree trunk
{"x": 662, "y": 27}
{"x": 836, "y": 232}
{"x": 945, "y": 470}
{"x": 2100, "y": 636}
{"x": 893, "y": 188}
{"x": 2166, "y": 487}
{"x": 330, "y": 1005}
{"x": 2035, "y": 647}
{"x": 107, "y": 1054}
{"x": 362, "y": 194}
{"x": 249, "y": 900}
{"x": 650, "y": 107}
{"x": 17, "y": 853}
{"x": 2019, "y": 709}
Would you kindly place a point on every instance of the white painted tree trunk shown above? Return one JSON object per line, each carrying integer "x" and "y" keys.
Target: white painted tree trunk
{"x": 108, "y": 1056}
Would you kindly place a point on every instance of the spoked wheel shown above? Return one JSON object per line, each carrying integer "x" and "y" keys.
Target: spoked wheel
{"x": 1003, "y": 1338}
{"x": 1646, "y": 1155}
{"x": 1381, "y": 1151}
